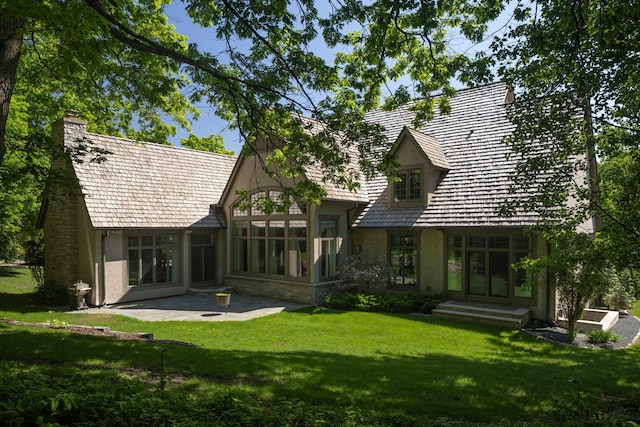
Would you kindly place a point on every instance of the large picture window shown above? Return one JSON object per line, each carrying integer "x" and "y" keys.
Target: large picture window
{"x": 481, "y": 265}
{"x": 153, "y": 259}
{"x": 272, "y": 244}
{"x": 403, "y": 257}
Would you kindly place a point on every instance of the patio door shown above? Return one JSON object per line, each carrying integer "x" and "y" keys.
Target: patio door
{"x": 488, "y": 266}
{"x": 203, "y": 261}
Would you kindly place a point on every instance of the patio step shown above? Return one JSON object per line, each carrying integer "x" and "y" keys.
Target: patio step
{"x": 209, "y": 291}
{"x": 503, "y": 316}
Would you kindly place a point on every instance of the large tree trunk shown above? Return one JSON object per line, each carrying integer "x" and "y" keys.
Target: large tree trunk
{"x": 10, "y": 44}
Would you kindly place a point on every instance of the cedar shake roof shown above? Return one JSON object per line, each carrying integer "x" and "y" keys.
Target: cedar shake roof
{"x": 146, "y": 185}
{"x": 479, "y": 169}
{"x": 315, "y": 173}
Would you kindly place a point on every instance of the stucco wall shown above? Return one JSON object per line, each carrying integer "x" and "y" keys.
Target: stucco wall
{"x": 373, "y": 243}
{"x": 545, "y": 298}
{"x": 432, "y": 261}
{"x": 116, "y": 278}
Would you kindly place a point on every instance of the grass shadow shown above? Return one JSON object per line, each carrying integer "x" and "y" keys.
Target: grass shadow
{"x": 21, "y": 303}
{"x": 8, "y": 271}
{"x": 433, "y": 385}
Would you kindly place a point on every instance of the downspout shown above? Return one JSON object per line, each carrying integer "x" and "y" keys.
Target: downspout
{"x": 547, "y": 316}
{"x": 349, "y": 222}
{"x": 103, "y": 263}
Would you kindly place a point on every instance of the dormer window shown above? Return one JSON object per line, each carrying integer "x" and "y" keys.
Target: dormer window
{"x": 423, "y": 166}
{"x": 408, "y": 187}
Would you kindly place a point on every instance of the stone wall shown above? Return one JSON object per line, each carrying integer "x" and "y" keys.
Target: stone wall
{"x": 61, "y": 222}
{"x": 304, "y": 293}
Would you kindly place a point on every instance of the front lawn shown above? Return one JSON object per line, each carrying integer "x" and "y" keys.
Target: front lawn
{"x": 312, "y": 367}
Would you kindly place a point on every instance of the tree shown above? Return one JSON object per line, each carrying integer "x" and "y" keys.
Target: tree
{"x": 620, "y": 175}
{"x": 125, "y": 69}
{"x": 212, "y": 144}
{"x": 578, "y": 268}
{"x": 67, "y": 62}
{"x": 571, "y": 67}
{"x": 572, "y": 70}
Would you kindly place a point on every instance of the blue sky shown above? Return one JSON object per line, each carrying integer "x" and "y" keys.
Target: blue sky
{"x": 209, "y": 123}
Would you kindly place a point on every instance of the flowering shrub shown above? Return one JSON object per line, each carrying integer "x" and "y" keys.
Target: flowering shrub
{"x": 367, "y": 275}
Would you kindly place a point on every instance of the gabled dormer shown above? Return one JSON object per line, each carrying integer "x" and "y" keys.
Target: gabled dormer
{"x": 423, "y": 164}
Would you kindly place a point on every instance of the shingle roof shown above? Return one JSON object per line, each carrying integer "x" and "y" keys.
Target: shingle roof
{"x": 316, "y": 174}
{"x": 479, "y": 167}
{"x": 145, "y": 185}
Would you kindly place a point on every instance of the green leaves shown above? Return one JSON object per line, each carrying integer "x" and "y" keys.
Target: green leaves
{"x": 212, "y": 144}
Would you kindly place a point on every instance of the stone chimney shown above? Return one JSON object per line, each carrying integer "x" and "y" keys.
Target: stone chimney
{"x": 68, "y": 129}
{"x": 63, "y": 201}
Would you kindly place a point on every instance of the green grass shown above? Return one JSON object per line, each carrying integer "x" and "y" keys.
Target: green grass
{"x": 415, "y": 365}
{"x": 16, "y": 280}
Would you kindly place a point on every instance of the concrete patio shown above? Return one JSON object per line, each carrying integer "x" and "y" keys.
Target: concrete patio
{"x": 197, "y": 308}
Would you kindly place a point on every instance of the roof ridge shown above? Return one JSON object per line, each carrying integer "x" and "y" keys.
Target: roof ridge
{"x": 157, "y": 145}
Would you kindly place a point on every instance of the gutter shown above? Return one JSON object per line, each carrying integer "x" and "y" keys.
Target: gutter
{"x": 355, "y": 206}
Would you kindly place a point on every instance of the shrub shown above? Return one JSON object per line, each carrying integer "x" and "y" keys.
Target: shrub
{"x": 619, "y": 293}
{"x": 34, "y": 257}
{"x": 390, "y": 302}
{"x": 366, "y": 274}
{"x": 601, "y": 337}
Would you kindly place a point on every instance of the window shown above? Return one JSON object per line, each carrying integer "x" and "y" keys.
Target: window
{"x": 202, "y": 258}
{"x": 482, "y": 265}
{"x": 273, "y": 244}
{"x": 454, "y": 263}
{"x": 297, "y": 248}
{"x": 328, "y": 248}
{"x": 153, "y": 259}
{"x": 403, "y": 257}
{"x": 408, "y": 188}
{"x": 522, "y": 278}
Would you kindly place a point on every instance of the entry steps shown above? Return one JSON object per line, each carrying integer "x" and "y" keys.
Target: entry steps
{"x": 209, "y": 290}
{"x": 491, "y": 314}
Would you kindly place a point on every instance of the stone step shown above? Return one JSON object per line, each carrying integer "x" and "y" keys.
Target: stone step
{"x": 209, "y": 291}
{"x": 505, "y": 316}
{"x": 505, "y": 322}
{"x": 495, "y": 310}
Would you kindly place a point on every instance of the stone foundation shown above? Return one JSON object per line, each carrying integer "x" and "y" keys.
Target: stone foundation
{"x": 304, "y": 293}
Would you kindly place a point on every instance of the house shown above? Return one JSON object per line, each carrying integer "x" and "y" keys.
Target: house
{"x": 151, "y": 220}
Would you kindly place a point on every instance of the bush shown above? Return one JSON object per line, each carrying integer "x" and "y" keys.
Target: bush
{"x": 619, "y": 294}
{"x": 390, "y": 302}
{"x": 367, "y": 275}
{"x": 34, "y": 257}
{"x": 601, "y": 337}
{"x": 52, "y": 294}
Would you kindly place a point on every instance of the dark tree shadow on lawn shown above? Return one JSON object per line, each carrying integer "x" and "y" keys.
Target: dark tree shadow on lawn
{"x": 478, "y": 387}
{"x": 7, "y": 271}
